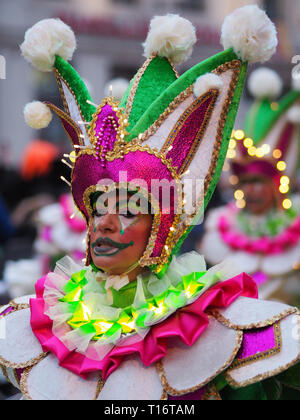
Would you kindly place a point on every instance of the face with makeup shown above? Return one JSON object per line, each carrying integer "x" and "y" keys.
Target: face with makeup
{"x": 119, "y": 231}
{"x": 259, "y": 195}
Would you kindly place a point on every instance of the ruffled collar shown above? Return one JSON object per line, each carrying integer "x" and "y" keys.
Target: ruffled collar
{"x": 270, "y": 224}
{"x": 255, "y": 237}
{"x": 80, "y": 354}
{"x": 87, "y": 320}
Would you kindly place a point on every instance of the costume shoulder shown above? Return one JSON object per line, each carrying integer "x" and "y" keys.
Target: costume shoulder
{"x": 247, "y": 342}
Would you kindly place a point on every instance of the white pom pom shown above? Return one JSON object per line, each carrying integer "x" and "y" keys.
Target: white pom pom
{"x": 296, "y": 81}
{"x": 250, "y": 33}
{"x": 207, "y": 82}
{"x": 170, "y": 36}
{"x": 45, "y": 40}
{"x": 116, "y": 88}
{"x": 37, "y": 115}
{"x": 293, "y": 114}
{"x": 265, "y": 83}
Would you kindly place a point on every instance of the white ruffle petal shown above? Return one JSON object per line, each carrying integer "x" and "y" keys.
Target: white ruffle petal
{"x": 48, "y": 381}
{"x": 23, "y": 300}
{"x": 20, "y": 348}
{"x": 246, "y": 313}
{"x": 186, "y": 369}
{"x": 268, "y": 367}
{"x": 282, "y": 263}
{"x": 132, "y": 381}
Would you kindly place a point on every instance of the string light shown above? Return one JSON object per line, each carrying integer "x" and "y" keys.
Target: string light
{"x": 239, "y": 135}
{"x": 252, "y": 151}
{"x": 232, "y": 144}
{"x": 281, "y": 166}
{"x": 239, "y": 195}
{"x": 160, "y": 309}
{"x": 234, "y": 180}
{"x": 285, "y": 180}
{"x": 287, "y": 204}
{"x": 284, "y": 184}
{"x": 231, "y": 154}
{"x": 248, "y": 143}
{"x": 102, "y": 327}
{"x": 266, "y": 149}
{"x": 277, "y": 154}
{"x": 226, "y": 167}
{"x": 284, "y": 189}
{"x": 241, "y": 204}
{"x": 260, "y": 152}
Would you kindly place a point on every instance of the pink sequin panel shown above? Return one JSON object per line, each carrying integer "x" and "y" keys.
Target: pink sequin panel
{"x": 71, "y": 131}
{"x": 258, "y": 341}
{"x": 106, "y": 131}
{"x": 187, "y": 134}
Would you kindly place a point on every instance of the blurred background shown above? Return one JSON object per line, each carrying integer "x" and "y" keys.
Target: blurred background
{"x": 110, "y": 35}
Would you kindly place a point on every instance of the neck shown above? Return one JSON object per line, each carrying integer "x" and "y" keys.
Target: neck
{"x": 132, "y": 272}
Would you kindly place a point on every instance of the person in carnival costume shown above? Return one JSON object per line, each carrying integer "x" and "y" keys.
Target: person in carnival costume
{"x": 261, "y": 231}
{"x": 137, "y": 322}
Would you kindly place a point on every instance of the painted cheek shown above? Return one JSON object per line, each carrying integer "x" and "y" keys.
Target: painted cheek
{"x": 125, "y": 223}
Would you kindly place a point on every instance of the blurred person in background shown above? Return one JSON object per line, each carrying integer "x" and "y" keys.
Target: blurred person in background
{"x": 261, "y": 230}
{"x": 36, "y": 185}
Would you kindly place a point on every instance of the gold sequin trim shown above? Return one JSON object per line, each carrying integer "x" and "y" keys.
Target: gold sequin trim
{"x": 234, "y": 65}
{"x": 60, "y": 79}
{"x": 173, "y": 67}
{"x": 61, "y": 114}
{"x": 212, "y": 394}
{"x": 268, "y": 322}
{"x": 100, "y": 386}
{"x": 23, "y": 383}
{"x": 263, "y": 355}
{"x": 19, "y": 306}
{"x": 31, "y": 362}
{"x": 24, "y": 365}
{"x": 176, "y": 393}
{"x": 264, "y": 376}
{"x": 136, "y": 83}
{"x": 164, "y": 396}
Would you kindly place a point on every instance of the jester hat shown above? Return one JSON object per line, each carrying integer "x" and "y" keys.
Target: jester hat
{"x": 269, "y": 145}
{"x": 167, "y": 127}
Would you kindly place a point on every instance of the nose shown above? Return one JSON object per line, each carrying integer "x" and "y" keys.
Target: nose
{"x": 106, "y": 224}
